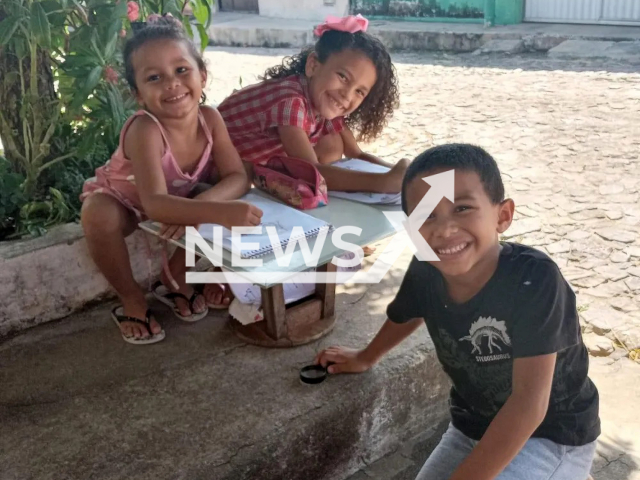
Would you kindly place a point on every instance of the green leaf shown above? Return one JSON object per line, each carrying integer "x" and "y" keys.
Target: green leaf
{"x": 187, "y": 27}
{"x": 204, "y": 38}
{"x": 173, "y": 7}
{"x": 210, "y": 5}
{"x": 115, "y": 105}
{"x": 200, "y": 11}
{"x": 114, "y": 29}
{"x": 110, "y": 49}
{"x": 78, "y": 62}
{"x": 20, "y": 48}
{"x": 93, "y": 79}
{"x": 96, "y": 49}
{"x": 90, "y": 84}
{"x": 40, "y": 25}
{"x": 36, "y": 230}
{"x": 120, "y": 10}
{"x": 51, "y": 6}
{"x": 7, "y": 28}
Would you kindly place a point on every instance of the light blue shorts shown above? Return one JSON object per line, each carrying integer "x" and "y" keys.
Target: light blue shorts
{"x": 539, "y": 459}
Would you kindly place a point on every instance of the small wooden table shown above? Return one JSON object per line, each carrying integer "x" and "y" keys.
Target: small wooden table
{"x": 313, "y": 317}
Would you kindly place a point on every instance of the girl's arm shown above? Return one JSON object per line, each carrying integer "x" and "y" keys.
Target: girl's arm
{"x": 144, "y": 147}
{"x": 516, "y": 421}
{"x": 352, "y": 150}
{"x": 233, "y": 182}
{"x": 296, "y": 143}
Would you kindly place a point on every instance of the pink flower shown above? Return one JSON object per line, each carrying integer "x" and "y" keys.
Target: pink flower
{"x": 123, "y": 33}
{"x": 133, "y": 11}
{"x": 111, "y": 75}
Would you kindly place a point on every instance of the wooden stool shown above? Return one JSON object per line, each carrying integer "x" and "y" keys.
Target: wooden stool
{"x": 300, "y": 323}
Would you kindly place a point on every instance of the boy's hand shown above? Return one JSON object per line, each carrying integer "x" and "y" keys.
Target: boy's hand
{"x": 345, "y": 360}
{"x": 240, "y": 214}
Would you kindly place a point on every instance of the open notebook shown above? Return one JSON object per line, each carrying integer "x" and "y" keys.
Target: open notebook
{"x": 277, "y": 215}
{"x": 366, "y": 197}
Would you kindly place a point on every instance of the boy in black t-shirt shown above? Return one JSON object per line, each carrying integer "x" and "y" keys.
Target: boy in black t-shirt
{"x": 505, "y": 327}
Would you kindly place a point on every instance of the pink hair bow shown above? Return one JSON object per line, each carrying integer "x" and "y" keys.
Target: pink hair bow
{"x": 351, "y": 24}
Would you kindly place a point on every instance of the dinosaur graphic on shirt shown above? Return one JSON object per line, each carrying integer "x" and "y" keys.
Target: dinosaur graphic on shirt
{"x": 492, "y": 329}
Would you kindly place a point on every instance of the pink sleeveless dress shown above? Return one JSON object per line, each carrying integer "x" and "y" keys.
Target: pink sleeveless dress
{"x": 116, "y": 178}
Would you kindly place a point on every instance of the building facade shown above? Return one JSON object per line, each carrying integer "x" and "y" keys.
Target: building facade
{"x": 490, "y": 12}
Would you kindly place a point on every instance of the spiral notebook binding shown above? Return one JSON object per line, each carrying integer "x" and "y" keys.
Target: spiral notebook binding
{"x": 261, "y": 252}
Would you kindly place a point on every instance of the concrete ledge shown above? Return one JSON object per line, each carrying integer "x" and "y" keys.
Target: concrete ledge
{"x": 250, "y": 30}
{"x": 47, "y": 278}
{"x": 202, "y": 405}
{"x": 571, "y": 49}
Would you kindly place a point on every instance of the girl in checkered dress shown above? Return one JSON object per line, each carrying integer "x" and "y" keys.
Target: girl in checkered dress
{"x": 310, "y": 107}
{"x": 166, "y": 150}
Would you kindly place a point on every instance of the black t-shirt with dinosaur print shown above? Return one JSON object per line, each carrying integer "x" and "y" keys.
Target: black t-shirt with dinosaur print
{"x": 526, "y": 309}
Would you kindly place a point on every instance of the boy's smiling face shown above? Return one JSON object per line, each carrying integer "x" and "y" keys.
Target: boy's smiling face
{"x": 463, "y": 234}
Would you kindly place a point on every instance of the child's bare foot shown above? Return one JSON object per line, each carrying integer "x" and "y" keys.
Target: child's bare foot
{"x": 392, "y": 182}
{"x": 218, "y": 296}
{"x": 136, "y": 307}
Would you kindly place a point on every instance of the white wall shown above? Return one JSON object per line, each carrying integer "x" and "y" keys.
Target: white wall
{"x": 315, "y": 10}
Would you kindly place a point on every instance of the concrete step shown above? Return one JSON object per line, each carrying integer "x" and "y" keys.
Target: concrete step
{"x": 251, "y": 30}
{"x": 590, "y": 49}
{"x": 77, "y": 402}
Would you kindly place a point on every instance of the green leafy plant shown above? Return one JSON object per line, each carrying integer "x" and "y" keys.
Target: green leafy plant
{"x": 11, "y": 196}
{"x": 62, "y": 96}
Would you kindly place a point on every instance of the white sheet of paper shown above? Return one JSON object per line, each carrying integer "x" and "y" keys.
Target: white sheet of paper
{"x": 366, "y": 197}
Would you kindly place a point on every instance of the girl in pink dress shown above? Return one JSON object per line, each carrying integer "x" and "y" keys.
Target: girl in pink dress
{"x": 166, "y": 149}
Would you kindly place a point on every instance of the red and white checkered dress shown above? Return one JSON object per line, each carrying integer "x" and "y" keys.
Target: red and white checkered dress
{"x": 253, "y": 115}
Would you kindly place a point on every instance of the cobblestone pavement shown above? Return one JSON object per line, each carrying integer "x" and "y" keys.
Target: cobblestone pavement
{"x": 566, "y": 135}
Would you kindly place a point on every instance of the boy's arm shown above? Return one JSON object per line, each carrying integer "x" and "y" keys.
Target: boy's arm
{"x": 352, "y": 150}
{"x": 350, "y": 361}
{"x": 516, "y": 421}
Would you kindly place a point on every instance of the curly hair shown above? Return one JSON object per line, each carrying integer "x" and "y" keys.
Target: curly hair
{"x": 372, "y": 115}
{"x": 165, "y": 28}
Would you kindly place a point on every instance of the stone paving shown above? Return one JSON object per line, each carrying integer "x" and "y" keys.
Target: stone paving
{"x": 567, "y": 138}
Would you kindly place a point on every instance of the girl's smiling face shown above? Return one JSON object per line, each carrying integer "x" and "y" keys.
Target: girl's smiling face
{"x": 168, "y": 80}
{"x": 338, "y": 86}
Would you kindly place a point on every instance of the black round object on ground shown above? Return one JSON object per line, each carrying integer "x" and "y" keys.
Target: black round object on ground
{"x": 313, "y": 374}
